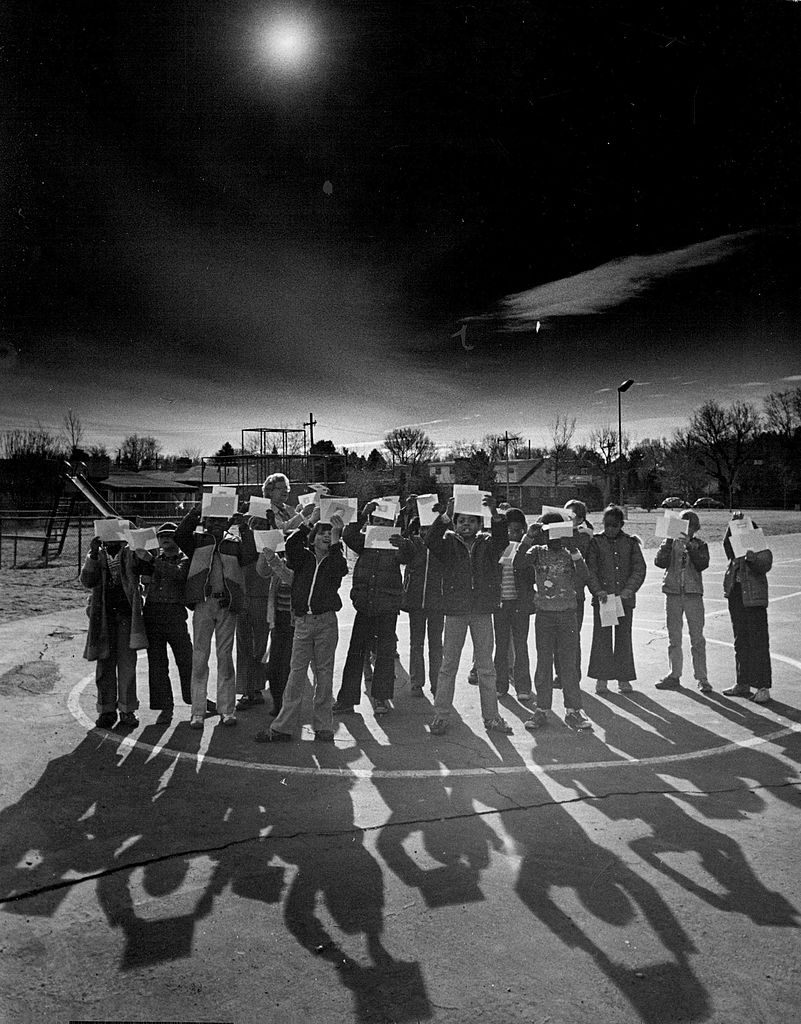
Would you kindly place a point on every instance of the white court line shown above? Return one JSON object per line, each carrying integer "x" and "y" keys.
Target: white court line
{"x": 75, "y": 709}
{"x": 773, "y": 600}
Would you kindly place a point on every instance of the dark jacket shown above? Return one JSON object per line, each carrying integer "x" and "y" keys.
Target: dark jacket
{"x": 303, "y": 562}
{"x": 95, "y": 577}
{"x": 200, "y": 549}
{"x": 471, "y": 577}
{"x": 377, "y": 584}
{"x": 257, "y": 585}
{"x": 683, "y": 563}
{"x": 422, "y": 577}
{"x": 559, "y": 576}
{"x": 751, "y": 574}
{"x": 615, "y": 565}
{"x": 166, "y": 580}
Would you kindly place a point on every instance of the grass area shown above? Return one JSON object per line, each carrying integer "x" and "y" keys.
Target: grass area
{"x": 713, "y": 523}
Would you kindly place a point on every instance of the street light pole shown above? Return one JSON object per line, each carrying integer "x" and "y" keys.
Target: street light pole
{"x": 624, "y": 386}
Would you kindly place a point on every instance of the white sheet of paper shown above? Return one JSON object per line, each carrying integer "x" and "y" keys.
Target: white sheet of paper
{"x": 531, "y": 520}
{"x": 143, "y": 539}
{"x": 425, "y": 508}
{"x": 259, "y": 507}
{"x": 391, "y": 497}
{"x": 621, "y": 614}
{"x": 563, "y": 529}
{"x": 223, "y": 489}
{"x": 670, "y": 525}
{"x": 509, "y": 552}
{"x": 387, "y": 508}
{"x": 378, "y": 537}
{"x": 310, "y": 498}
{"x": 319, "y": 488}
{"x": 469, "y": 500}
{"x": 748, "y": 540}
{"x": 608, "y": 611}
{"x": 272, "y": 540}
{"x": 221, "y": 506}
{"x": 566, "y": 514}
{"x": 111, "y": 529}
{"x": 346, "y": 508}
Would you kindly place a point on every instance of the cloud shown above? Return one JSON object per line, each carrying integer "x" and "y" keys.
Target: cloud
{"x": 754, "y": 384}
{"x": 795, "y": 376}
{"x": 609, "y": 285}
{"x": 685, "y": 383}
{"x": 600, "y": 391}
{"x": 642, "y": 383}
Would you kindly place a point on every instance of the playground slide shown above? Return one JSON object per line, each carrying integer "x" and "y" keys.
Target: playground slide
{"x": 82, "y": 485}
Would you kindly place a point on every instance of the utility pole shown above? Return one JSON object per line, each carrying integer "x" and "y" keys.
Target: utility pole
{"x": 311, "y": 423}
{"x": 506, "y": 442}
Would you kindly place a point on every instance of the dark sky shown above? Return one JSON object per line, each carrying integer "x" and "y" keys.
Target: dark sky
{"x": 175, "y": 265}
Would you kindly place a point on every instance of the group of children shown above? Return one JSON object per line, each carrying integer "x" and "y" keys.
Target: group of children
{"x": 451, "y": 577}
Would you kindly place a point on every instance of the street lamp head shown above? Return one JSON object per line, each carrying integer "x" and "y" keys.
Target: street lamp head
{"x": 625, "y": 385}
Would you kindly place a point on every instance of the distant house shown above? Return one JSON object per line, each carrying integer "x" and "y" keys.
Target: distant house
{"x": 151, "y": 491}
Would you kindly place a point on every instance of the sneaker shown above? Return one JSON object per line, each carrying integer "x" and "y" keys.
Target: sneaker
{"x": 762, "y": 696}
{"x": 324, "y": 736}
{"x": 106, "y": 719}
{"x": 128, "y": 720}
{"x": 164, "y": 717}
{"x": 704, "y": 687}
{"x": 381, "y": 708}
{"x": 601, "y": 686}
{"x": 501, "y": 693}
{"x": 245, "y": 702}
{"x": 196, "y": 722}
{"x": 624, "y": 686}
{"x": 576, "y": 720}
{"x": 557, "y": 683}
{"x": 525, "y": 696}
{"x": 271, "y": 736}
{"x": 738, "y": 691}
{"x": 472, "y": 678}
{"x": 537, "y": 720}
{"x": 497, "y": 724}
{"x": 438, "y": 727}
{"x": 343, "y": 709}
{"x": 229, "y": 719}
{"x": 668, "y": 683}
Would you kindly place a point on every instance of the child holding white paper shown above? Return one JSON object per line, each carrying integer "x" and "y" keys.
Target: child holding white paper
{"x": 511, "y": 619}
{"x": 684, "y": 559}
{"x": 471, "y": 590}
{"x": 422, "y": 599}
{"x": 253, "y": 623}
{"x": 215, "y": 591}
{"x": 582, "y": 534}
{"x": 616, "y": 568}
{"x": 376, "y": 594}
{"x": 165, "y": 621}
{"x": 558, "y": 568}
{"x": 745, "y": 586}
{"x": 116, "y": 628}
{"x": 318, "y": 566}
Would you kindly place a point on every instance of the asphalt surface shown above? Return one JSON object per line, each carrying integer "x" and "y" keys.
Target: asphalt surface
{"x": 647, "y": 872}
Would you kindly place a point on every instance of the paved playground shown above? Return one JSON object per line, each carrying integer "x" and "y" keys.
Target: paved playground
{"x": 647, "y": 872}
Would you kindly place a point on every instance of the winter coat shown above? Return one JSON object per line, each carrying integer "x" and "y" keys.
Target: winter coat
{"x": 94, "y": 576}
{"x": 471, "y": 577}
{"x": 377, "y": 585}
{"x": 199, "y": 546}
{"x": 422, "y": 576}
{"x": 558, "y": 575}
{"x": 166, "y": 580}
{"x": 326, "y": 576}
{"x": 615, "y": 565}
{"x": 750, "y": 573}
{"x": 683, "y": 564}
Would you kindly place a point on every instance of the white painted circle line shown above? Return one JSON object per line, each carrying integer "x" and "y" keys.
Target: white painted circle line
{"x": 73, "y": 705}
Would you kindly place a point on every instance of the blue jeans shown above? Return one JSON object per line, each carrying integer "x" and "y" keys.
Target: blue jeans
{"x": 481, "y": 633}
{"x": 314, "y": 644}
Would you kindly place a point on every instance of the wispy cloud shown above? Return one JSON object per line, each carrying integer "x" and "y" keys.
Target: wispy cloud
{"x": 685, "y": 383}
{"x": 600, "y": 391}
{"x": 795, "y": 376}
{"x": 754, "y": 384}
{"x": 609, "y": 285}
{"x": 643, "y": 383}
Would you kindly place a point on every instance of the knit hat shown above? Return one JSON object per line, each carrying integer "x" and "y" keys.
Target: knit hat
{"x": 166, "y": 529}
{"x": 515, "y": 515}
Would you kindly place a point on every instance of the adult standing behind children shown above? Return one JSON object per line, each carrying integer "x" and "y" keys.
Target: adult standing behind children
{"x": 116, "y": 629}
{"x": 684, "y": 559}
{"x": 165, "y": 621}
{"x": 215, "y": 588}
{"x": 617, "y": 568}
{"x": 745, "y": 587}
{"x": 471, "y": 593}
{"x": 318, "y": 566}
{"x": 376, "y": 593}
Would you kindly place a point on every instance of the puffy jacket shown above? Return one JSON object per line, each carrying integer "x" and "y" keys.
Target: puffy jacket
{"x": 751, "y": 574}
{"x": 325, "y": 577}
{"x": 200, "y": 548}
{"x": 615, "y": 565}
{"x": 422, "y": 577}
{"x": 377, "y": 585}
{"x": 471, "y": 577}
{"x": 683, "y": 562}
{"x": 559, "y": 576}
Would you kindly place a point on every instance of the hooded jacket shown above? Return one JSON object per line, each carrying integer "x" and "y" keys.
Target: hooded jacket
{"x": 471, "y": 576}
{"x": 200, "y": 547}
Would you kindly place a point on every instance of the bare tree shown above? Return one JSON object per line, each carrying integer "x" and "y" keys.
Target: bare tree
{"x": 72, "y": 429}
{"x": 603, "y": 441}
{"x": 140, "y": 452}
{"x": 783, "y": 412}
{"x": 722, "y": 437}
{"x": 409, "y": 446}
{"x": 683, "y": 466}
{"x": 193, "y": 454}
{"x": 562, "y": 431}
{"x": 497, "y": 445}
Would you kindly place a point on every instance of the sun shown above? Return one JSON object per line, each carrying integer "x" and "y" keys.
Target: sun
{"x": 288, "y": 45}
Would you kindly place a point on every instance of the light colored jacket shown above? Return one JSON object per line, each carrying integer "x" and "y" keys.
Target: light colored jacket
{"x": 683, "y": 563}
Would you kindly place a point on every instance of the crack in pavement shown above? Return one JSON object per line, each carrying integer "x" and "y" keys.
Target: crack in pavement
{"x": 580, "y": 798}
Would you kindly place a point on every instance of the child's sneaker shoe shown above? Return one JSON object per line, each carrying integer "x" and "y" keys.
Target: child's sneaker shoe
{"x": 196, "y": 722}
{"x": 737, "y": 691}
{"x": 164, "y": 717}
{"x": 128, "y": 720}
{"x": 624, "y": 686}
{"x": 106, "y": 720}
{"x": 537, "y": 720}
{"x": 601, "y": 686}
{"x": 762, "y": 696}
{"x": 497, "y": 724}
{"x": 229, "y": 720}
{"x": 324, "y": 736}
{"x": 668, "y": 683}
{"x": 704, "y": 687}
{"x": 525, "y": 696}
{"x": 438, "y": 727}
{"x": 381, "y": 708}
{"x": 576, "y": 720}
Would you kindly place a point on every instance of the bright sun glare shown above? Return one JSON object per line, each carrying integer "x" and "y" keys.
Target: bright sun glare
{"x": 288, "y": 45}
